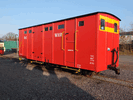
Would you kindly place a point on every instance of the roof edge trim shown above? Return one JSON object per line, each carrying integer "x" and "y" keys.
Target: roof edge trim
{"x": 72, "y": 18}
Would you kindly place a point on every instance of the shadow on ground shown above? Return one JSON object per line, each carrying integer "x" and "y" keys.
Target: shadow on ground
{"x": 18, "y": 83}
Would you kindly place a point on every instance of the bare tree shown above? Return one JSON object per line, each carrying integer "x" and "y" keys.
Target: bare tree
{"x": 125, "y": 38}
{"x": 10, "y": 36}
{"x": 122, "y": 30}
{"x": 131, "y": 27}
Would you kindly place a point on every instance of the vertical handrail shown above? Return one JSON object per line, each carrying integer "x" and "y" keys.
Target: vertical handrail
{"x": 116, "y": 57}
{"x": 62, "y": 41}
{"x": 114, "y": 50}
{"x": 75, "y": 40}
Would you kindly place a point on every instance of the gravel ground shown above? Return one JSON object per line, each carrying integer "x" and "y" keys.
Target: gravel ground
{"x": 126, "y": 75}
{"x": 22, "y": 81}
{"x": 126, "y": 69}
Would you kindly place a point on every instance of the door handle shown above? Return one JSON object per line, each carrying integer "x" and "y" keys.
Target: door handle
{"x": 66, "y": 33}
{"x": 62, "y": 40}
{"x": 75, "y": 40}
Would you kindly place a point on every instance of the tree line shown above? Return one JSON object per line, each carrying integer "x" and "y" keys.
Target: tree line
{"x": 9, "y": 37}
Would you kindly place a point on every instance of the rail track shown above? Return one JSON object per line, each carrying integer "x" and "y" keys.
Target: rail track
{"x": 113, "y": 80}
{"x": 95, "y": 76}
{"x": 102, "y": 78}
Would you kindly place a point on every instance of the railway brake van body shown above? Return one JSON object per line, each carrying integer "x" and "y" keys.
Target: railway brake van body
{"x": 86, "y": 42}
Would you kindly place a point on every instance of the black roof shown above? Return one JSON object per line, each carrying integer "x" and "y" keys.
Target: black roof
{"x": 72, "y": 18}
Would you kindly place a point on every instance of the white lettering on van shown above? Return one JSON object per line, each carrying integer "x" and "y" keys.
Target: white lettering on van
{"x": 78, "y": 66}
{"x": 25, "y": 37}
{"x": 70, "y": 49}
{"x": 92, "y": 59}
{"x": 58, "y": 34}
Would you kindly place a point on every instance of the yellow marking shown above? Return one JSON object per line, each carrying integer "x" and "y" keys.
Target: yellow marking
{"x": 20, "y": 58}
{"x": 20, "y": 44}
{"x": 109, "y": 20}
{"x": 108, "y": 29}
{"x": 77, "y": 70}
{"x": 62, "y": 40}
{"x": 75, "y": 40}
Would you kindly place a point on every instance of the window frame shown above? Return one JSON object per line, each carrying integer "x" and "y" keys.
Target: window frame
{"x": 81, "y": 23}
{"x": 30, "y": 31}
{"x": 46, "y": 28}
{"x": 25, "y": 32}
{"x": 60, "y": 26}
{"x": 50, "y": 28}
{"x": 102, "y": 24}
{"x": 115, "y": 27}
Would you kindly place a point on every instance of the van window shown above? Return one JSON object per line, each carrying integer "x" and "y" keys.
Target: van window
{"x": 25, "y": 32}
{"x": 81, "y": 23}
{"x": 46, "y": 28}
{"x": 30, "y": 31}
{"x": 102, "y": 24}
{"x": 61, "y": 26}
{"x": 115, "y": 27}
{"x": 50, "y": 28}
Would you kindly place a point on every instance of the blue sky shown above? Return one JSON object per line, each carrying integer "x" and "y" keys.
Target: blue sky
{"x": 15, "y": 14}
